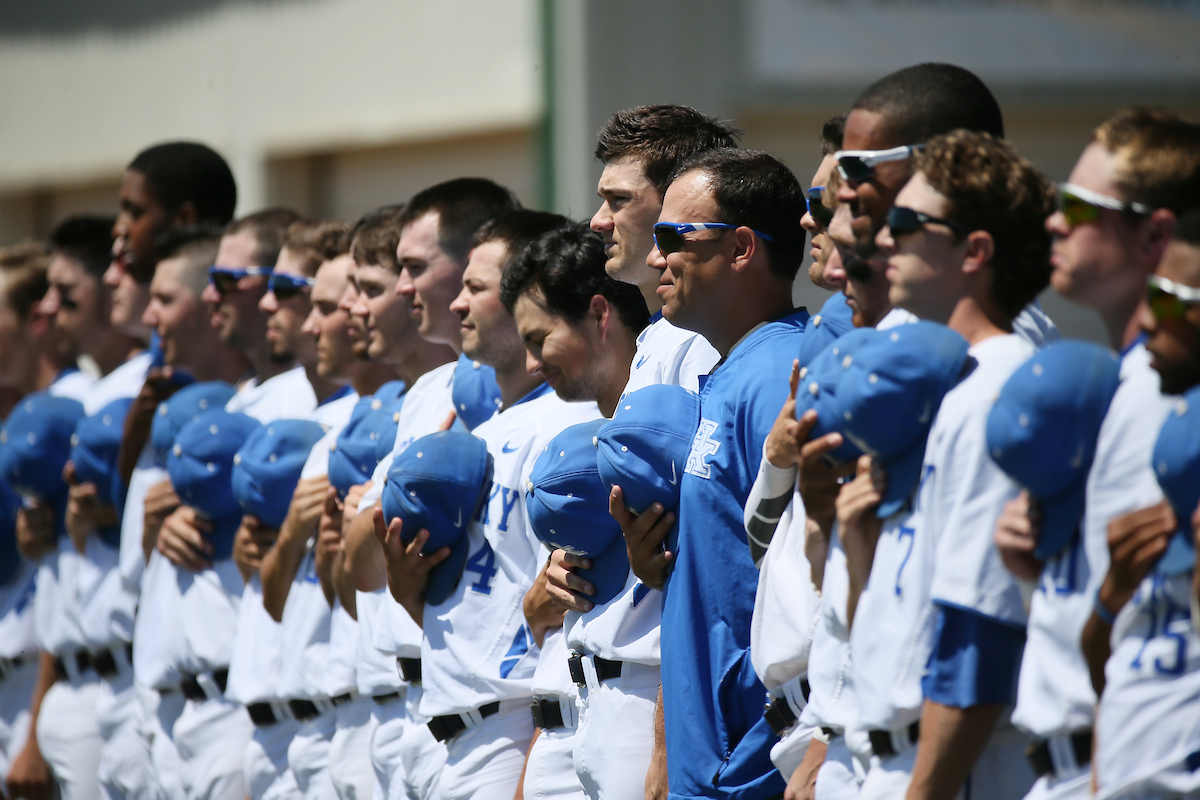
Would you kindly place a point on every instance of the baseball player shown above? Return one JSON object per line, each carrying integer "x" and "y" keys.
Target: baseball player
{"x": 18, "y": 641}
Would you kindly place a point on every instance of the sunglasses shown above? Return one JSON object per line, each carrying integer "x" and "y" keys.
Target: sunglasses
{"x": 285, "y": 287}
{"x": 902, "y": 221}
{"x": 817, "y": 209}
{"x": 225, "y": 279}
{"x": 668, "y": 236}
{"x": 858, "y": 166}
{"x": 1081, "y": 205}
{"x": 1168, "y": 299}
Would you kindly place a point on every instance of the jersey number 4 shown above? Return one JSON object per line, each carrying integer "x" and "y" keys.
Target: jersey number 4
{"x": 482, "y": 563}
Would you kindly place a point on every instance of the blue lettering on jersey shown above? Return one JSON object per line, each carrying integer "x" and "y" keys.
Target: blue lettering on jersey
{"x": 703, "y": 446}
{"x": 507, "y": 449}
{"x": 508, "y": 499}
{"x": 1060, "y": 574}
{"x": 1167, "y": 621}
{"x": 521, "y": 644}
{"x": 483, "y": 563}
{"x": 640, "y": 361}
{"x": 911, "y": 533}
{"x": 310, "y": 568}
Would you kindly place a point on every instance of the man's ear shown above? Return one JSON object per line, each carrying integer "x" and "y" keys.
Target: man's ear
{"x": 187, "y": 214}
{"x": 746, "y": 248}
{"x": 600, "y": 312}
{"x": 981, "y": 247}
{"x": 1156, "y": 235}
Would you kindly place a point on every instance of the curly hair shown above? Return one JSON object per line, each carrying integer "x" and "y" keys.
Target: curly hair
{"x": 990, "y": 187}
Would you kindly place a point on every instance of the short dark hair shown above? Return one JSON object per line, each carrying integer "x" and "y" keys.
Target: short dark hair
{"x": 1187, "y": 228}
{"x": 316, "y": 242}
{"x": 990, "y": 187}
{"x": 181, "y": 172}
{"x": 567, "y": 266}
{"x": 85, "y": 239}
{"x": 462, "y": 206}
{"x": 661, "y": 138}
{"x": 831, "y": 134}
{"x": 755, "y": 189}
{"x": 516, "y": 230}
{"x": 197, "y": 244}
{"x": 374, "y": 237}
{"x": 924, "y": 100}
{"x": 23, "y": 276}
{"x": 269, "y": 227}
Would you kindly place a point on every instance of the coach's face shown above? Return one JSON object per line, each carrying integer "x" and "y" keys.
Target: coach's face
{"x": 1174, "y": 338}
{"x": 870, "y": 200}
{"x": 691, "y": 286}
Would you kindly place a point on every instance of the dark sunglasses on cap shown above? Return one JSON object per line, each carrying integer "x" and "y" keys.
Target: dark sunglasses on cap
{"x": 669, "y": 235}
{"x": 1168, "y": 299}
{"x": 225, "y": 279}
{"x": 817, "y": 209}
{"x": 285, "y": 287}
{"x": 858, "y": 166}
{"x": 1080, "y": 205}
{"x": 902, "y": 221}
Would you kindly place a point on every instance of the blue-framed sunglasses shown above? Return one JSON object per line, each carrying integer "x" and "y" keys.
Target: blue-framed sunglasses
{"x": 225, "y": 279}
{"x": 285, "y": 287}
{"x": 669, "y": 235}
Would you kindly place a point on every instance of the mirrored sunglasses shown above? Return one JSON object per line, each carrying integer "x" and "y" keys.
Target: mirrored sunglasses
{"x": 668, "y": 236}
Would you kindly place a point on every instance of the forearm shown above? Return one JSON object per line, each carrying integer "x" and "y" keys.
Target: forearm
{"x": 343, "y": 586}
{"x": 952, "y": 740}
{"x": 279, "y": 568}
{"x": 47, "y": 677}
{"x": 364, "y": 556}
{"x": 1096, "y": 649}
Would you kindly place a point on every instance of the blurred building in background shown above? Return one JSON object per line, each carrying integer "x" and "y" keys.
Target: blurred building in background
{"x": 338, "y": 106}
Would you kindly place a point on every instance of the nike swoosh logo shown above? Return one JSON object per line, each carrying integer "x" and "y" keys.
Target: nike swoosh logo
{"x": 507, "y": 449}
{"x": 674, "y": 477}
{"x": 640, "y": 361}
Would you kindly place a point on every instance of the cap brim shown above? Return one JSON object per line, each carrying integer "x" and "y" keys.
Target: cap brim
{"x": 903, "y": 477}
{"x": 1060, "y": 519}
{"x": 1180, "y": 557}
{"x": 608, "y": 572}
{"x": 444, "y": 578}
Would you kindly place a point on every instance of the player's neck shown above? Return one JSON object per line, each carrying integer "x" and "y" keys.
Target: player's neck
{"x": 514, "y": 380}
{"x": 977, "y": 319}
{"x": 220, "y": 363}
{"x": 321, "y": 387}
{"x": 422, "y": 357}
{"x": 114, "y": 349}
{"x": 370, "y": 375}
{"x": 650, "y": 295}
{"x": 1121, "y": 321}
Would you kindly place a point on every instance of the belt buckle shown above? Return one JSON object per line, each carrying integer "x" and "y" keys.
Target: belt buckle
{"x": 575, "y": 667}
{"x": 779, "y": 716}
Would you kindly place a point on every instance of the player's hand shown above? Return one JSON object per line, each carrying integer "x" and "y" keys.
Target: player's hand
{"x": 566, "y": 587}
{"x": 816, "y": 550}
{"x": 29, "y": 776}
{"x": 160, "y": 501}
{"x": 407, "y": 569}
{"x": 803, "y": 783}
{"x": 858, "y": 526}
{"x": 159, "y": 385}
{"x": 35, "y": 531}
{"x": 181, "y": 539}
{"x": 784, "y": 441}
{"x": 304, "y": 512}
{"x": 250, "y": 545}
{"x": 329, "y": 535}
{"x": 1017, "y": 533}
{"x": 448, "y": 422}
{"x": 86, "y": 511}
{"x": 644, "y": 537}
{"x": 1136, "y": 541}
{"x": 350, "y": 505}
{"x": 819, "y": 479}
{"x": 542, "y": 612}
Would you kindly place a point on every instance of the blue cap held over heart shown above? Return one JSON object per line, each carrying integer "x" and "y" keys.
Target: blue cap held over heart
{"x": 1176, "y": 463}
{"x": 475, "y": 392}
{"x": 438, "y": 484}
{"x": 830, "y": 323}
{"x": 37, "y": 443}
{"x": 352, "y": 458}
{"x": 181, "y": 408}
{"x": 1042, "y": 431}
{"x": 267, "y": 467}
{"x": 94, "y": 449}
{"x": 818, "y": 388}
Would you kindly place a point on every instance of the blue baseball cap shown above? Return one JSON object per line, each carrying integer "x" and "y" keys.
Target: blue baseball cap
{"x": 828, "y": 324}
{"x": 1042, "y": 431}
{"x": 201, "y": 468}
{"x": 818, "y": 389}
{"x": 386, "y": 425}
{"x": 438, "y": 484}
{"x": 10, "y": 558}
{"x": 37, "y": 444}
{"x": 180, "y": 409}
{"x": 475, "y": 392}
{"x": 1176, "y": 463}
{"x": 94, "y": 448}
{"x": 567, "y": 503}
{"x": 352, "y": 458}
{"x": 267, "y": 467}
{"x": 889, "y": 395}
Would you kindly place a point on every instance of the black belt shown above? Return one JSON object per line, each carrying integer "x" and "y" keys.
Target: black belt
{"x": 304, "y": 710}
{"x": 380, "y": 699}
{"x": 409, "y": 669}
{"x": 10, "y": 665}
{"x": 1042, "y": 762}
{"x": 605, "y": 669}
{"x": 105, "y": 663}
{"x": 547, "y": 713}
{"x": 881, "y": 741}
{"x": 778, "y": 713}
{"x": 448, "y": 726}
{"x": 263, "y": 714}
{"x": 81, "y": 658}
{"x": 339, "y": 699}
{"x": 192, "y": 690}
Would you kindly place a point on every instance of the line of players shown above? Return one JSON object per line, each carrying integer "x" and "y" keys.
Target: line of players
{"x": 264, "y": 558}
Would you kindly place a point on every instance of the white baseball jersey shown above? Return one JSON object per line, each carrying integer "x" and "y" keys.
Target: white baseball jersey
{"x": 17, "y": 636}
{"x": 341, "y": 658}
{"x": 288, "y": 395}
{"x": 1055, "y": 692}
{"x": 831, "y": 702}
{"x": 626, "y": 628}
{"x": 72, "y": 383}
{"x": 477, "y": 648}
